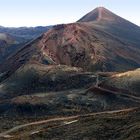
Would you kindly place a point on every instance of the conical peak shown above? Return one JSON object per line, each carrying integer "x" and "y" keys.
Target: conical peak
{"x": 98, "y": 14}
{"x": 99, "y": 8}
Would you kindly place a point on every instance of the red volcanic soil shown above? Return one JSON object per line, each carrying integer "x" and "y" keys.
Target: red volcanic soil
{"x": 80, "y": 45}
{"x": 84, "y": 45}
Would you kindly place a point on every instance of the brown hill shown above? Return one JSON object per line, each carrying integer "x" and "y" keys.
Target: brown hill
{"x": 78, "y": 44}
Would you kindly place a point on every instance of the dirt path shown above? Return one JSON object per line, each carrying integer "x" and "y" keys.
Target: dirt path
{"x": 114, "y": 92}
{"x": 6, "y": 134}
{"x": 100, "y": 14}
{"x": 117, "y": 93}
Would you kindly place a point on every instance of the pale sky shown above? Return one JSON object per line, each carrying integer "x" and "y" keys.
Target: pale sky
{"x": 16, "y": 13}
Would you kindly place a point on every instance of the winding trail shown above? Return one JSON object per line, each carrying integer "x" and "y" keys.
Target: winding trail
{"x": 6, "y": 134}
{"x": 137, "y": 99}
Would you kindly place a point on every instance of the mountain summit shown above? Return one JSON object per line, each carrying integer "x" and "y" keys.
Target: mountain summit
{"x": 114, "y": 24}
{"x": 98, "y": 14}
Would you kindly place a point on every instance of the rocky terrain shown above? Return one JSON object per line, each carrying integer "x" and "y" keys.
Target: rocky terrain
{"x": 76, "y": 81}
{"x": 126, "y": 82}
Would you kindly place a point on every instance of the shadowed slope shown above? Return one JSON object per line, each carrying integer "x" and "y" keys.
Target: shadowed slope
{"x": 13, "y": 39}
{"x": 114, "y": 126}
{"x": 127, "y": 82}
{"x": 36, "y": 89}
{"x": 34, "y": 77}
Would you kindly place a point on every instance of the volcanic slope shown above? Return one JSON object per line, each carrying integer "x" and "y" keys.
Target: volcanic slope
{"x": 126, "y": 82}
{"x": 91, "y": 44}
{"x": 121, "y": 125}
{"x": 35, "y": 77}
{"x": 6, "y": 43}
{"x": 78, "y": 44}
{"x": 13, "y": 39}
{"x": 100, "y": 41}
{"x": 114, "y": 24}
{"x": 37, "y": 89}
